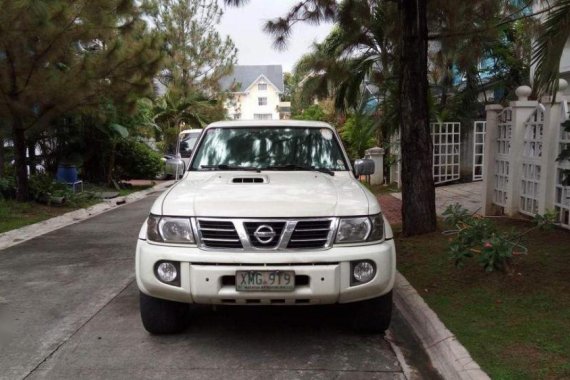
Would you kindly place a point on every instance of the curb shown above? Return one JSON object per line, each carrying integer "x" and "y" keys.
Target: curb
{"x": 447, "y": 355}
{"x": 20, "y": 235}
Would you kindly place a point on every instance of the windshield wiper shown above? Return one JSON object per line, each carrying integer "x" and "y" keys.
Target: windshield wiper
{"x": 230, "y": 167}
{"x": 300, "y": 167}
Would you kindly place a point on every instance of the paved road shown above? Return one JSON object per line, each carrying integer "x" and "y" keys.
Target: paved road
{"x": 69, "y": 309}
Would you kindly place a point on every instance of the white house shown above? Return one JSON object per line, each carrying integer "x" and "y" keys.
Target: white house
{"x": 255, "y": 92}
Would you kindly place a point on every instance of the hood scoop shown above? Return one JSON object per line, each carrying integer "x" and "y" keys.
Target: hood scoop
{"x": 249, "y": 179}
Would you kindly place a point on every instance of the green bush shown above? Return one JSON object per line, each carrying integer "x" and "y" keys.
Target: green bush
{"x": 44, "y": 186}
{"x": 7, "y": 187}
{"x": 135, "y": 159}
{"x": 477, "y": 237}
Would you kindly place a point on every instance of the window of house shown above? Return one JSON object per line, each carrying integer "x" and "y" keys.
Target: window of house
{"x": 262, "y": 86}
{"x": 237, "y": 116}
{"x": 262, "y": 116}
{"x": 262, "y": 101}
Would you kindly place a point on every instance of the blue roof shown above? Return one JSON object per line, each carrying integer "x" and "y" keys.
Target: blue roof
{"x": 244, "y": 75}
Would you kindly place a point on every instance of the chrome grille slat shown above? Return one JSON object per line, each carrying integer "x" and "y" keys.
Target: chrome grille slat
{"x": 214, "y": 239}
{"x": 297, "y": 240}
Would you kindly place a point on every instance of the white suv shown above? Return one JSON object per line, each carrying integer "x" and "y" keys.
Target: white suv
{"x": 268, "y": 213}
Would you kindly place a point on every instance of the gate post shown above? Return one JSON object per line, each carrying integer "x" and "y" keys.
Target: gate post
{"x": 522, "y": 110}
{"x": 553, "y": 117}
{"x": 492, "y": 111}
{"x": 376, "y": 154}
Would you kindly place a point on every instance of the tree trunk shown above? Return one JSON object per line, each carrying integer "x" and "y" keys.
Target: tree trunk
{"x": 22, "y": 188}
{"x": 418, "y": 191}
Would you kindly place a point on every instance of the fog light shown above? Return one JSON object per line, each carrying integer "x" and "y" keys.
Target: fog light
{"x": 363, "y": 271}
{"x": 166, "y": 272}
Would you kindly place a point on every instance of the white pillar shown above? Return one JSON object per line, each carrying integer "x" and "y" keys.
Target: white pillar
{"x": 553, "y": 117}
{"x": 376, "y": 154}
{"x": 522, "y": 110}
{"x": 492, "y": 110}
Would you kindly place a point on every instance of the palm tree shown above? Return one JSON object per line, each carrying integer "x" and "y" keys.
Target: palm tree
{"x": 549, "y": 46}
{"x": 173, "y": 110}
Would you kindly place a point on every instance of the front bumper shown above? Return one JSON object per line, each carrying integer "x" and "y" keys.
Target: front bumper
{"x": 204, "y": 274}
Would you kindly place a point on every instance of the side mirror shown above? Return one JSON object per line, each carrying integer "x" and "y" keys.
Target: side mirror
{"x": 363, "y": 166}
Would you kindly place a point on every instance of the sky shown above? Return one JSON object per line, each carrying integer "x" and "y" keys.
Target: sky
{"x": 244, "y": 25}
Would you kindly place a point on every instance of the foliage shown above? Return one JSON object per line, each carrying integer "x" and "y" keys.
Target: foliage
{"x": 549, "y": 46}
{"x": 314, "y": 112}
{"x": 173, "y": 112}
{"x": 479, "y": 237}
{"x": 359, "y": 133}
{"x": 7, "y": 187}
{"x": 136, "y": 160}
{"x": 62, "y": 56}
{"x": 197, "y": 56}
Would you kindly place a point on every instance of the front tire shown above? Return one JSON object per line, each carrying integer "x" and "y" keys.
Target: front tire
{"x": 161, "y": 316}
{"x": 373, "y": 315}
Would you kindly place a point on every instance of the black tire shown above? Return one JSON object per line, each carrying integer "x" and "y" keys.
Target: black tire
{"x": 161, "y": 316}
{"x": 373, "y": 315}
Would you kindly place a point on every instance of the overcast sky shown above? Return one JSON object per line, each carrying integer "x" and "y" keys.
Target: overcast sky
{"x": 244, "y": 26}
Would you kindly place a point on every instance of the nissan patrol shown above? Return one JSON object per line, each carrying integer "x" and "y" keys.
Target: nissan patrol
{"x": 267, "y": 213}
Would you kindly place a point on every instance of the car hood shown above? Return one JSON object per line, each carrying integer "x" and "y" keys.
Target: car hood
{"x": 279, "y": 194}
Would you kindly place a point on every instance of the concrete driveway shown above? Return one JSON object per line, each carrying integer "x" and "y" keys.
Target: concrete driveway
{"x": 69, "y": 309}
{"x": 468, "y": 195}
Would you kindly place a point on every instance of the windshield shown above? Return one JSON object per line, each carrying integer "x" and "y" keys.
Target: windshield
{"x": 269, "y": 148}
{"x": 187, "y": 145}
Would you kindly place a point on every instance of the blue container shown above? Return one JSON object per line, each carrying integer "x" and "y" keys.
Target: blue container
{"x": 66, "y": 173}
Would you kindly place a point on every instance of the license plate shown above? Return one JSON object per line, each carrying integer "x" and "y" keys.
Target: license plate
{"x": 265, "y": 281}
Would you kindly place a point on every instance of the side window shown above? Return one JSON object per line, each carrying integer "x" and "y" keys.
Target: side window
{"x": 262, "y": 101}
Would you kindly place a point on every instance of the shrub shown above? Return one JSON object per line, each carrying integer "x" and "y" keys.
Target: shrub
{"x": 135, "y": 159}
{"x": 7, "y": 187}
{"x": 44, "y": 186}
{"x": 477, "y": 237}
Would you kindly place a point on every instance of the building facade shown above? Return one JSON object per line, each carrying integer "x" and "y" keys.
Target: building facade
{"x": 254, "y": 92}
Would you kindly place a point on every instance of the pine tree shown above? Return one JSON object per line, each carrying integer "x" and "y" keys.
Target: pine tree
{"x": 197, "y": 56}
{"x": 62, "y": 56}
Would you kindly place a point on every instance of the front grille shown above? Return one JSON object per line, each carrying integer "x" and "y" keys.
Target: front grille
{"x": 219, "y": 234}
{"x": 264, "y": 234}
{"x": 310, "y": 234}
{"x": 251, "y": 227}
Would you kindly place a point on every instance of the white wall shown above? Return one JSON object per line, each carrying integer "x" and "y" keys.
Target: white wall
{"x": 246, "y": 103}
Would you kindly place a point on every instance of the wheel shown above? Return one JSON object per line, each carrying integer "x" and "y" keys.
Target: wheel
{"x": 373, "y": 315}
{"x": 161, "y": 316}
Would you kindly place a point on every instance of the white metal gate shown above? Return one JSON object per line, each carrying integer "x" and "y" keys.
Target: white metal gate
{"x": 531, "y": 165}
{"x": 505, "y": 132}
{"x": 446, "y": 151}
{"x": 562, "y": 193}
{"x": 479, "y": 129}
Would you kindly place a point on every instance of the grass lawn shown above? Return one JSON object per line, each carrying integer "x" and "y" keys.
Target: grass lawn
{"x": 382, "y": 189}
{"x": 516, "y": 326}
{"x": 15, "y": 214}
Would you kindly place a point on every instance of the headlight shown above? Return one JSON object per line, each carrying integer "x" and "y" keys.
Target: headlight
{"x": 170, "y": 230}
{"x": 361, "y": 229}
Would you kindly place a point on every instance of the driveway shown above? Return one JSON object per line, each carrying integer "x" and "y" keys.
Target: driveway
{"x": 468, "y": 195}
{"x": 69, "y": 309}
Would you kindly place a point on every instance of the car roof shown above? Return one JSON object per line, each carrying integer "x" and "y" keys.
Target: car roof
{"x": 192, "y": 131}
{"x": 269, "y": 123}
